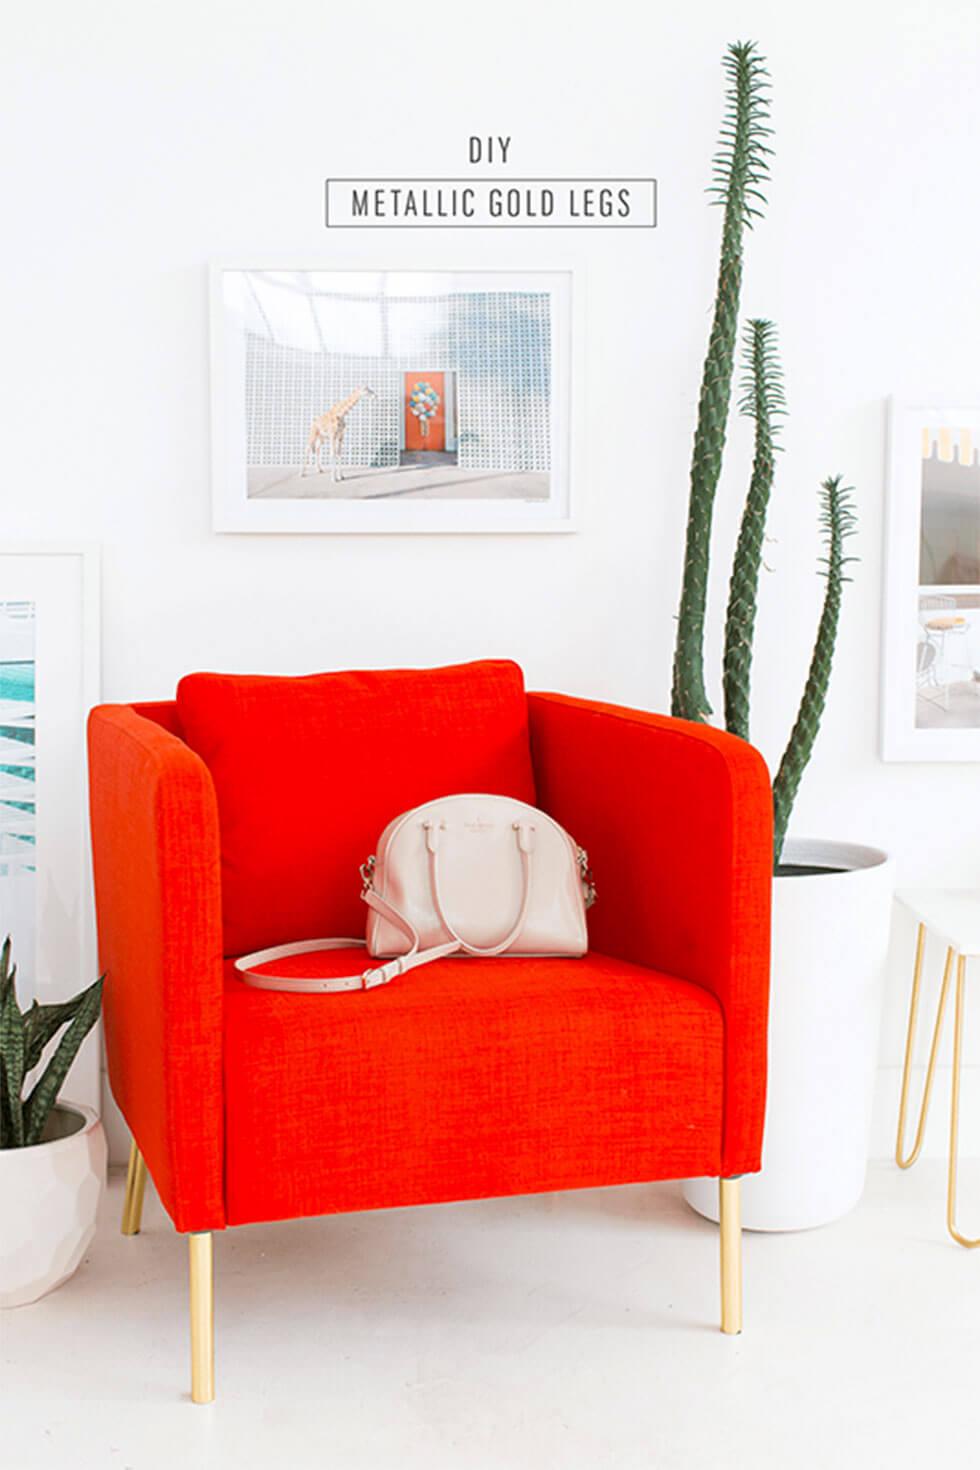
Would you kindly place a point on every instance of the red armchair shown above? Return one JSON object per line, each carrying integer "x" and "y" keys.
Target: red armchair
{"x": 235, "y": 817}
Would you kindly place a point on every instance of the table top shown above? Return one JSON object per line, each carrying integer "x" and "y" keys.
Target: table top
{"x": 952, "y": 914}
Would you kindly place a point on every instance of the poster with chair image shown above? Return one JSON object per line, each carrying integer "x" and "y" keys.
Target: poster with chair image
{"x": 931, "y": 663}
{"x": 354, "y": 400}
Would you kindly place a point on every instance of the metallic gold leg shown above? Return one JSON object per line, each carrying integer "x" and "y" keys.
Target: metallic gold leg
{"x": 902, "y": 1160}
{"x": 954, "y": 1114}
{"x": 730, "y": 1211}
{"x": 132, "y": 1215}
{"x": 202, "y": 1318}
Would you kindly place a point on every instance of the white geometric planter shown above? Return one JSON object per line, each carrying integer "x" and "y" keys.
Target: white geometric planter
{"x": 49, "y": 1195}
{"x": 829, "y": 942}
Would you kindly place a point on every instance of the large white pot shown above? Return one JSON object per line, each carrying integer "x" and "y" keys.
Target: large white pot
{"x": 49, "y": 1195}
{"x": 829, "y": 943}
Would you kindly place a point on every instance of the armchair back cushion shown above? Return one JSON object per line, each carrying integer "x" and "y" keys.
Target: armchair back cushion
{"x": 307, "y": 772}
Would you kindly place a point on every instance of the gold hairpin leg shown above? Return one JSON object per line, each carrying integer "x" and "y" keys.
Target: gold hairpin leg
{"x": 132, "y": 1215}
{"x": 954, "y": 1113}
{"x": 730, "y": 1220}
{"x": 902, "y": 1160}
{"x": 202, "y": 1317}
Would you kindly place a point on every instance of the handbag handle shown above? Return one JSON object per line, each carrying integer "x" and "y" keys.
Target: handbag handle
{"x": 525, "y": 844}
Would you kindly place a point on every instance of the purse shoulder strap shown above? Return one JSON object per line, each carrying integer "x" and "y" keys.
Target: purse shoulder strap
{"x": 247, "y": 964}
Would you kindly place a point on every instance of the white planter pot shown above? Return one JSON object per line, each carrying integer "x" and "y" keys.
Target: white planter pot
{"x": 49, "y": 1195}
{"x": 829, "y": 943}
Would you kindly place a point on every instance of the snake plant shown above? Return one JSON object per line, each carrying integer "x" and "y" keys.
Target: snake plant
{"x": 740, "y": 166}
{"x": 23, "y": 1038}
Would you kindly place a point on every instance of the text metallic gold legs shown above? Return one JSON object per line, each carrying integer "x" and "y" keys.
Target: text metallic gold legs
{"x": 202, "y": 1317}
{"x": 903, "y": 1160}
{"x": 730, "y": 1216}
{"x": 132, "y": 1215}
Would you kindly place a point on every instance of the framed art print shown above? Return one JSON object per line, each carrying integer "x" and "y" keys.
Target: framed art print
{"x": 49, "y": 680}
{"x": 931, "y": 653}
{"x": 362, "y": 400}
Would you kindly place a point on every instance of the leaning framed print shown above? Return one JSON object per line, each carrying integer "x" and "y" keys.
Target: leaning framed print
{"x": 49, "y": 680}
{"x": 392, "y": 401}
{"x": 931, "y": 621}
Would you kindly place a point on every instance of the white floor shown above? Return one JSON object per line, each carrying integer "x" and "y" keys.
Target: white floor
{"x": 570, "y": 1331}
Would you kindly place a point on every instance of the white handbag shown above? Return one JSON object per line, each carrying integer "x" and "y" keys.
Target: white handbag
{"x": 474, "y": 875}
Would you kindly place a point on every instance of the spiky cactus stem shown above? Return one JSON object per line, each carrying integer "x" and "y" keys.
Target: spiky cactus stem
{"x": 763, "y": 400}
{"x": 838, "y": 521}
{"x": 739, "y": 167}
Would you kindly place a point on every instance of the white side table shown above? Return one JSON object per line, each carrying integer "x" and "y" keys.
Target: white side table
{"x": 953, "y": 915}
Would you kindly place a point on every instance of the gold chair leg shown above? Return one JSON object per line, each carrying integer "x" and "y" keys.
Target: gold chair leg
{"x": 903, "y": 1160}
{"x": 730, "y": 1214}
{"x": 132, "y": 1215}
{"x": 202, "y": 1317}
{"x": 954, "y": 1113}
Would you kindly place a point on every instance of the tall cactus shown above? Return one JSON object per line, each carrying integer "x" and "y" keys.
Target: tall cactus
{"x": 740, "y": 166}
{"x": 838, "y": 521}
{"x": 762, "y": 399}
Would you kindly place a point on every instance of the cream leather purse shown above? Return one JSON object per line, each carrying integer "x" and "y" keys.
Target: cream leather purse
{"x": 474, "y": 875}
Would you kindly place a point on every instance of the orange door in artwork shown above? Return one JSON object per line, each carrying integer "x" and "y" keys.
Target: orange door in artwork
{"x": 425, "y": 411}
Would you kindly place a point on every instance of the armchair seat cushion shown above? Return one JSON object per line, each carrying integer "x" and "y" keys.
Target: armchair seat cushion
{"x": 466, "y": 1079}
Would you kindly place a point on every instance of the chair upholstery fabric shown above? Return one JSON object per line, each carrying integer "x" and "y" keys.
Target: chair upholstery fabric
{"x": 464, "y": 1079}
{"x": 677, "y": 819}
{"x": 308, "y": 772}
{"x": 158, "y": 901}
{"x": 644, "y": 1060}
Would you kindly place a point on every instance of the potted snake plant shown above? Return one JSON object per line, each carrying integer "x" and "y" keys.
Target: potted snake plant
{"x": 52, "y": 1153}
{"x": 831, "y": 900}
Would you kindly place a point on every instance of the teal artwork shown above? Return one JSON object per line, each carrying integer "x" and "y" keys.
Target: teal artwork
{"x": 17, "y": 767}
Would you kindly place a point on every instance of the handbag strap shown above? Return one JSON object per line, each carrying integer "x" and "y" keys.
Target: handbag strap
{"x": 247, "y": 964}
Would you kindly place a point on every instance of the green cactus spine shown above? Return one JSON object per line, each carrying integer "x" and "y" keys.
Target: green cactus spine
{"x": 764, "y": 401}
{"x": 740, "y": 166}
{"x": 838, "y": 522}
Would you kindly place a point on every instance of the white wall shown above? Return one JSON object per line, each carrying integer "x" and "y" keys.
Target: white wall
{"x": 146, "y": 138}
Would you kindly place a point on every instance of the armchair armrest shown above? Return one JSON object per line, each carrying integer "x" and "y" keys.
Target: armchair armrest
{"x": 158, "y": 904}
{"x": 677, "y": 820}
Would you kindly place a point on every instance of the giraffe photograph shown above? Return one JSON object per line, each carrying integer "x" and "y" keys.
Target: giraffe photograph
{"x": 391, "y": 400}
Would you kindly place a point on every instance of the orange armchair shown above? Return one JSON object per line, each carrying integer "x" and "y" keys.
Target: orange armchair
{"x": 235, "y": 817}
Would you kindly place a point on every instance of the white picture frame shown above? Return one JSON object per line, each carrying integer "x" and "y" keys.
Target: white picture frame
{"x": 385, "y": 495}
{"x": 930, "y": 693}
{"x": 60, "y": 582}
